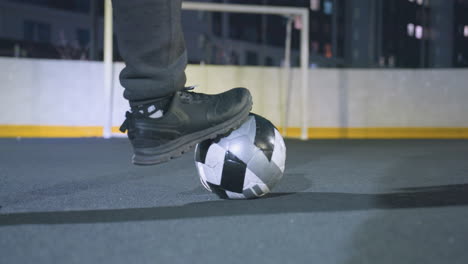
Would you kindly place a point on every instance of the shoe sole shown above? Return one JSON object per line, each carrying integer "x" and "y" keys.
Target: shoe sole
{"x": 178, "y": 147}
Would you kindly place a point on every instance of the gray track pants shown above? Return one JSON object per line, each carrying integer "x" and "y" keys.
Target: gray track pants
{"x": 151, "y": 42}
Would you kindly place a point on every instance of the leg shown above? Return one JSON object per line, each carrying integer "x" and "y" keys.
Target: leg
{"x": 151, "y": 42}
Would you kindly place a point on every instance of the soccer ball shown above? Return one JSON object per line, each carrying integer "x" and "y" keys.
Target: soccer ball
{"x": 246, "y": 164}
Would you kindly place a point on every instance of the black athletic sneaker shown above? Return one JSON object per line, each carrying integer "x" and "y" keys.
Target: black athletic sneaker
{"x": 189, "y": 119}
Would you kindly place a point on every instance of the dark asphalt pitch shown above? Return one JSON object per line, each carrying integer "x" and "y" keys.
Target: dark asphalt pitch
{"x": 356, "y": 201}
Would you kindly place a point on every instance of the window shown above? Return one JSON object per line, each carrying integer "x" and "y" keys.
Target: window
{"x": 356, "y": 34}
{"x": 215, "y": 55}
{"x": 410, "y": 29}
{"x": 465, "y": 31}
{"x": 217, "y": 23}
{"x": 328, "y": 7}
{"x": 83, "y": 6}
{"x": 28, "y": 30}
{"x": 234, "y": 58}
{"x": 201, "y": 16}
{"x": 315, "y": 46}
{"x": 269, "y": 61}
{"x": 357, "y": 13}
{"x": 315, "y": 5}
{"x": 314, "y": 27}
{"x": 419, "y": 32}
{"x": 251, "y": 58}
{"x": 391, "y": 61}
{"x": 356, "y": 53}
{"x": 82, "y": 35}
{"x": 43, "y": 32}
{"x": 328, "y": 51}
{"x": 36, "y": 31}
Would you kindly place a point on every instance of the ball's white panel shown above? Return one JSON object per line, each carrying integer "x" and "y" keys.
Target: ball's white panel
{"x": 224, "y": 143}
{"x": 213, "y": 174}
{"x": 279, "y": 152}
{"x": 251, "y": 179}
{"x": 247, "y": 129}
{"x": 233, "y": 195}
{"x": 267, "y": 171}
{"x": 214, "y": 163}
{"x": 201, "y": 172}
{"x": 215, "y": 155}
{"x": 242, "y": 148}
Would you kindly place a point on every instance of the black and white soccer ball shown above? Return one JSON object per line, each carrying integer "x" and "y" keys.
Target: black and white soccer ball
{"x": 246, "y": 164}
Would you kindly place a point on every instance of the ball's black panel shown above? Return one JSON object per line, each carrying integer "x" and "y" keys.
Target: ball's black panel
{"x": 265, "y": 136}
{"x": 202, "y": 150}
{"x": 218, "y": 191}
{"x": 232, "y": 177}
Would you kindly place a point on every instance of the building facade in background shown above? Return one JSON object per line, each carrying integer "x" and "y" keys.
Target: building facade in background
{"x": 406, "y": 33}
{"x": 343, "y": 33}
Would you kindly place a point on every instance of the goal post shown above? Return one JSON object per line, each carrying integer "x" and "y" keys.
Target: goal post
{"x": 302, "y": 13}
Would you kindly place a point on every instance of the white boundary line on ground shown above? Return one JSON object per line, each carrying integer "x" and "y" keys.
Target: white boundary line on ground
{"x": 303, "y": 13}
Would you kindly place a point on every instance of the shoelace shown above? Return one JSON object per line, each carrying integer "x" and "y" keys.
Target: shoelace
{"x": 187, "y": 93}
{"x": 124, "y": 127}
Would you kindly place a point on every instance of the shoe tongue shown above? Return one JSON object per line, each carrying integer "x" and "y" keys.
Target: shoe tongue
{"x": 155, "y": 109}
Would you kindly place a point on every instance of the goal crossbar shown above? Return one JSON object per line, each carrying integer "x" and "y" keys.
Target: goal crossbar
{"x": 237, "y": 8}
